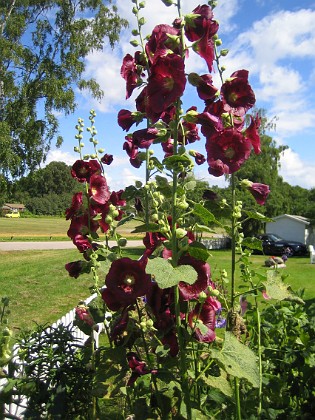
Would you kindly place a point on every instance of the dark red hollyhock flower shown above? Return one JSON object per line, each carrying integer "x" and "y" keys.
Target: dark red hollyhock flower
{"x": 168, "y": 147}
{"x": 259, "y": 191}
{"x": 198, "y": 23}
{"x": 190, "y": 134}
{"x": 130, "y": 147}
{"x": 227, "y": 151}
{"x": 210, "y": 124}
{"x": 192, "y": 291}
{"x": 151, "y": 241}
{"x": 76, "y": 204}
{"x": 160, "y": 43}
{"x": 166, "y": 84}
{"x": 209, "y": 195}
{"x": 138, "y": 368}
{"x": 125, "y": 281}
{"x": 199, "y": 158}
{"x": 145, "y": 137}
{"x": 74, "y": 268}
{"x": 252, "y": 133}
{"x": 116, "y": 198}
{"x": 99, "y": 190}
{"x": 82, "y": 242}
{"x": 237, "y": 92}
{"x": 83, "y": 313}
{"x": 205, "y": 48}
{"x": 82, "y": 170}
{"x": 138, "y": 205}
{"x": 206, "y": 314}
{"x": 204, "y": 84}
{"x": 129, "y": 72}
{"x": 126, "y": 118}
{"x": 107, "y": 159}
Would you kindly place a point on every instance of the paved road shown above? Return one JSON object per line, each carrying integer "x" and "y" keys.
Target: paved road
{"x": 26, "y": 246}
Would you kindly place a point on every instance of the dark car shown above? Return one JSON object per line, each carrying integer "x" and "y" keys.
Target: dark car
{"x": 273, "y": 244}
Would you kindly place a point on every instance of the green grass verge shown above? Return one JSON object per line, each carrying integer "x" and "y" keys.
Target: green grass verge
{"x": 41, "y": 291}
{"x": 47, "y": 228}
{"x": 39, "y": 287}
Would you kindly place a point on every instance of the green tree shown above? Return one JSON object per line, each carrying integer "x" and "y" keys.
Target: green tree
{"x": 43, "y": 45}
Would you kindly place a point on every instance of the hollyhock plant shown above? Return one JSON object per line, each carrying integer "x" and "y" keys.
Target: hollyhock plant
{"x": 162, "y": 356}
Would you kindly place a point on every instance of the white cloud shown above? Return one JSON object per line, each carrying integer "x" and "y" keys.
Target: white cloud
{"x": 295, "y": 171}
{"x": 58, "y": 155}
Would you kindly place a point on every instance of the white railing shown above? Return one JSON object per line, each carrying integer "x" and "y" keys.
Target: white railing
{"x": 16, "y": 408}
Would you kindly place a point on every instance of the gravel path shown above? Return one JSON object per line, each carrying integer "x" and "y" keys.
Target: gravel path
{"x": 26, "y": 246}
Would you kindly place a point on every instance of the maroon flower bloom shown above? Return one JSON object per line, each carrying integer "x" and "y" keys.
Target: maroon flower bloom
{"x": 168, "y": 147}
{"x": 125, "y": 281}
{"x": 80, "y": 227}
{"x": 227, "y": 151}
{"x": 160, "y": 43}
{"x": 192, "y": 291}
{"x": 210, "y": 123}
{"x": 77, "y": 201}
{"x": 138, "y": 368}
{"x": 82, "y": 170}
{"x": 259, "y": 191}
{"x": 145, "y": 137}
{"x": 165, "y": 84}
{"x": 252, "y": 133}
{"x": 107, "y": 159}
{"x": 189, "y": 134}
{"x": 126, "y": 119}
{"x": 204, "y": 84}
{"x": 130, "y": 147}
{"x": 199, "y": 157}
{"x": 151, "y": 241}
{"x": 99, "y": 189}
{"x": 206, "y": 314}
{"x": 116, "y": 198}
{"x": 129, "y": 72}
{"x": 237, "y": 92}
{"x": 82, "y": 242}
{"x": 83, "y": 313}
{"x": 75, "y": 268}
{"x": 199, "y": 23}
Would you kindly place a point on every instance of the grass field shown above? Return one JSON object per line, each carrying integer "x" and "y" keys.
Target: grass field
{"x": 46, "y": 228}
{"x": 41, "y": 291}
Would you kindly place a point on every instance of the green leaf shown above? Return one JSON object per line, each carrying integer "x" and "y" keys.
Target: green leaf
{"x": 219, "y": 382}
{"x": 151, "y": 227}
{"x": 205, "y": 215}
{"x": 252, "y": 243}
{"x": 237, "y": 360}
{"x": 276, "y": 289}
{"x": 198, "y": 251}
{"x": 167, "y": 276}
{"x": 190, "y": 185}
{"x": 258, "y": 216}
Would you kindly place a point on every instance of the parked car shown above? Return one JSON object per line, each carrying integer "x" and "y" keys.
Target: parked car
{"x": 13, "y": 214}
{"x": 273, "y": 244}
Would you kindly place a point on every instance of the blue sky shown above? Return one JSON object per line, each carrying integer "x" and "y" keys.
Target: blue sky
{"x": 274, "y": 40}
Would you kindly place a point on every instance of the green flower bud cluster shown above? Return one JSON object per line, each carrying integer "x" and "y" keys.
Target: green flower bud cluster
{"x": 237, "y": 212}
{"x": 5, "y": 352}
{"x": 147, "y": 325}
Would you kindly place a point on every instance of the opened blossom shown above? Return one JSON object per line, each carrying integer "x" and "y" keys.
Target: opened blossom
{"x": 107, "y": 159}
{"x": 205, "y": 314}
{"x": 129, "y": 72}
{"x": 192, "y": 291}
{"x": 82, "y": 170}
{"x": 166, "y": 84}
{"x": 252, "y": 133}
{"x": 162, "y": 41}
{"x": 237, "y": 92}
{"x": 99, "y": 190}
{"x": 227, "y": 151}
{"x": 125, "y": 282}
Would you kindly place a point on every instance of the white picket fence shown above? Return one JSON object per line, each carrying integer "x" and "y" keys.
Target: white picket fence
{"x": 15, "y": 409}
{"x": 219, "y": 242}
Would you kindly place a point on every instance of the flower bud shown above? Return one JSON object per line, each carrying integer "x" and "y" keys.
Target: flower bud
{"x": 180, "y": 233}
{"x": 224, "y": 52}
{"x": 122, "y": 242}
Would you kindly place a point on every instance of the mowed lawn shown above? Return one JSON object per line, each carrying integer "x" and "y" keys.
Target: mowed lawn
{"x": 41, "y": 291}
{"x": 46, "y": 228}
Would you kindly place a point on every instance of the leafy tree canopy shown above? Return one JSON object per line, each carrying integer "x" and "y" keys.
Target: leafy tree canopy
{"x": 43, "y": 45}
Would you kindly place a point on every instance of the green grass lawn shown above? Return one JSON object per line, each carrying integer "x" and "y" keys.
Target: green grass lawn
{"x": 40, "y": 289}
{"x": 47, "y": 228}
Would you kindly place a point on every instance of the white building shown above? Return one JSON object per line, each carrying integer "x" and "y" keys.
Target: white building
{"x": 293, "y": 228}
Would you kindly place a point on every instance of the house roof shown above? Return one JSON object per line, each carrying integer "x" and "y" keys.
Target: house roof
{"x": 14, "y": 206}
{"x": 300, "y": 219}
